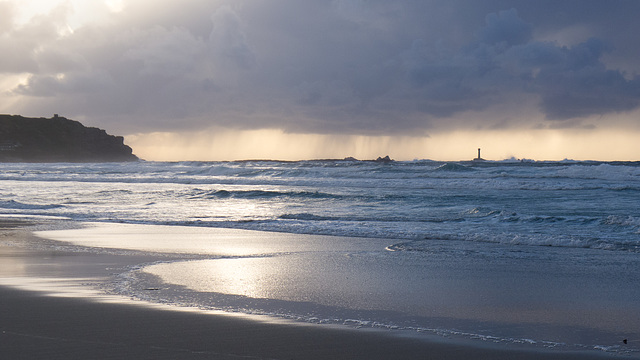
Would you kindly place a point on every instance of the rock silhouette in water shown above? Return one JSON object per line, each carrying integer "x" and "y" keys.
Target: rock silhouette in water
{"x": 58, "y": 139}
{"x": 384, "y": 160}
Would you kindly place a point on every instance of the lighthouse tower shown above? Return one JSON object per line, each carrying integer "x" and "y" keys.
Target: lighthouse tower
{"x": 479, "y": 158}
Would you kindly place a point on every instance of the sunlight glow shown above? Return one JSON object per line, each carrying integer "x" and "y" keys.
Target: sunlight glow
{"x": 548, "y": 144}
{"x": 75, "y": 12}
{"x": 246, "y": 277}
{"x": 25, "y": 10}
{"x": 115, "y": 5}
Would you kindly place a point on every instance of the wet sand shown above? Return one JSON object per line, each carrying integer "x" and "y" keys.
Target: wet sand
{"x": 44, "y": 317}
{"x": 44, "y": 327}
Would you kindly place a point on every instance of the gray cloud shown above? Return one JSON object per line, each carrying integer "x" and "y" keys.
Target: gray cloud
{"x": 22, "y": 45}
{"x": 570, "y": 81}
{"x": 506, "y": 28}
{"x": 347, "y": 66}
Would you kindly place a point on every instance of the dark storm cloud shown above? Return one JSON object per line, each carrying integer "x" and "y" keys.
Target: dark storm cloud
{"x": 578, "y": 84}
{"x": 505, "y": 28}
{"x": 348, "y": 66}
{"x": 570, "y": 81}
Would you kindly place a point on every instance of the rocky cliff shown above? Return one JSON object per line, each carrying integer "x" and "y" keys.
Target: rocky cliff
{"x": 58, "y": 140}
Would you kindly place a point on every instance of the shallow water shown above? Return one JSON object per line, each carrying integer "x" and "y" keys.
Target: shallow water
{"x": 574, "y": 299}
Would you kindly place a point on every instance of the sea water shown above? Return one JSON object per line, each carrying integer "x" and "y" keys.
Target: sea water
{"x": 524, "y": 252}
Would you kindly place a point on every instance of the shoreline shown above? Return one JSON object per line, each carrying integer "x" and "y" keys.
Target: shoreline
{"x": 45, "y": 327}
{"x": 55, "y": 323}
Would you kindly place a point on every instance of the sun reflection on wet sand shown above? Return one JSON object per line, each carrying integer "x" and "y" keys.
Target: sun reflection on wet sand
{"x": 199, "y": 240}
{"x": 324, "y": 276}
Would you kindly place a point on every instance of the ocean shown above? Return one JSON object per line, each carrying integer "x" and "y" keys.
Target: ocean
{"x": 519, "y": 252}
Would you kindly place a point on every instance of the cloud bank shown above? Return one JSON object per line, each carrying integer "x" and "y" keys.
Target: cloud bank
{"x": 325, "y": 67}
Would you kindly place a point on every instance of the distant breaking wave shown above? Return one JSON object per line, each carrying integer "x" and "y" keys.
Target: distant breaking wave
{"x": 559, "y": 204}
{"x": 259, "y": 194}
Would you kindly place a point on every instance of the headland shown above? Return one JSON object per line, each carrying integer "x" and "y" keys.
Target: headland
{"x": 58, "y": 139}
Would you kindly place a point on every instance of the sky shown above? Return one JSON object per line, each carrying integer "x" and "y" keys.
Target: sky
{"x": 291, "y": 79}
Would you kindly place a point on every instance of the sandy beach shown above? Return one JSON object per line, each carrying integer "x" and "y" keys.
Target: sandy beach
{"x": 50, "y": 309}
{"x": 36, "y": 326}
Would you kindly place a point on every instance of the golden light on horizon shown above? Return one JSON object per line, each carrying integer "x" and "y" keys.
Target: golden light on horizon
{"x": 227, "y": 145}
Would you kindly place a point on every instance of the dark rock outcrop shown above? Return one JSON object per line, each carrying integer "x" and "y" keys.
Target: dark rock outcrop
{"x": 384, "y": 160}
{"x": 58, "y": 140}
